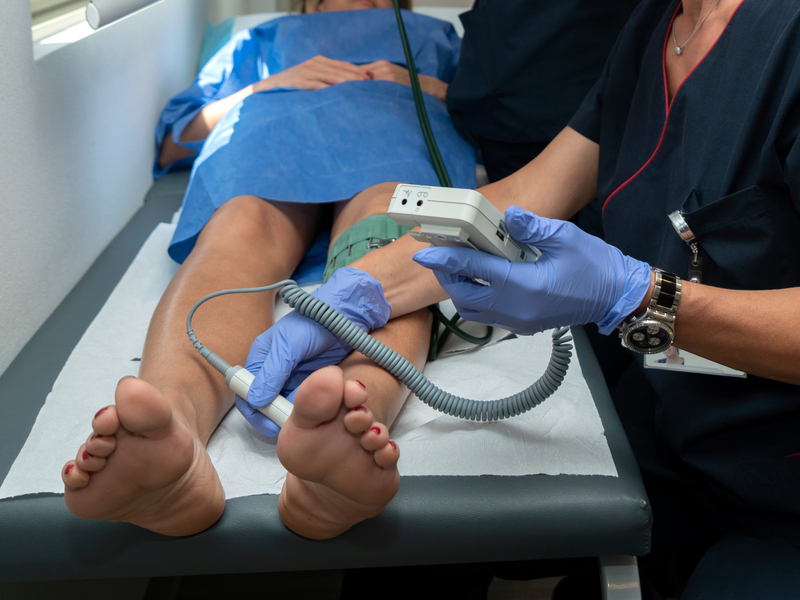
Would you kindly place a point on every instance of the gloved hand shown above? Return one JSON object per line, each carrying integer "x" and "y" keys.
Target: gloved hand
{"x": 579, "y": 279}
{"x": 296, "y": 346}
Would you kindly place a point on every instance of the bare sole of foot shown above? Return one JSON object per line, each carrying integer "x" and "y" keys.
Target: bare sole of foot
{"x": 143, "y": 466}
{"x": 342, "y": 465}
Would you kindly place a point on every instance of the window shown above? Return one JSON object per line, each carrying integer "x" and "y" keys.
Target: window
{"x": 49, "y": 17}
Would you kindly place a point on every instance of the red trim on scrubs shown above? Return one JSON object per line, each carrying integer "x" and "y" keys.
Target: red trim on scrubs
{"x": 667, "y": 102}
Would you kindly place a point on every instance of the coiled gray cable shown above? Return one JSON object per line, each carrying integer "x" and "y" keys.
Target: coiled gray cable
{"x": 403, "y": 370}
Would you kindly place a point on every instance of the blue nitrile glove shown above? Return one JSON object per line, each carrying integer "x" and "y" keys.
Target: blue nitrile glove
{"x": 579, "y": 279}
{"x": 296, "y": 346}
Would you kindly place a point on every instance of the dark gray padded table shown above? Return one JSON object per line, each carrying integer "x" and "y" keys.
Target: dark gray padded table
{"x": 433, "y": 520}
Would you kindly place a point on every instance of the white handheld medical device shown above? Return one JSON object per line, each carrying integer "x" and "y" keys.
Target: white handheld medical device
{"x": 240, "y": 379}
{"x": 237, "y": 377}
{"x": 457, "y": 218}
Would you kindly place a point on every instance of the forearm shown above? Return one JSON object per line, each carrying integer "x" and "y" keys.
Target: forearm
{"x": 753, "y": 331}
{"x": 406, "y": 285}
{"x": 433, "y": 86}
{"x": 206, "y": 119}
{"x": 556, "y": 184}
{"x": 748, "y": 330}
{"x": 199, "y": 127}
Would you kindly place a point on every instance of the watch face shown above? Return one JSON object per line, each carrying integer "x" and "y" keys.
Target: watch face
{"x": 649, "y": 336}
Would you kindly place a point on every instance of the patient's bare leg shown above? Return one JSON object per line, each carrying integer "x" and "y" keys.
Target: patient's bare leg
{"x": 145, "y": 462}
{"x": 342, "y": 466}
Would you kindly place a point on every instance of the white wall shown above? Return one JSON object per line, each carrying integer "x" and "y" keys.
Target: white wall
{"x": 76, "y": 147}
{"x": 220, "y": 10}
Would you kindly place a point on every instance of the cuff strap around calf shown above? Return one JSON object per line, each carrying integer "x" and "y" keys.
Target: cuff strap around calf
{"x": 365, "y": 236}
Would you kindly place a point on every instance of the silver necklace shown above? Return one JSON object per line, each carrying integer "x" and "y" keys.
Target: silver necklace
{"x": 679, "y": 49}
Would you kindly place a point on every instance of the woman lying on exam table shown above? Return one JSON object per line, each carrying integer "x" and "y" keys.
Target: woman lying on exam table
{"x": 698, "y": 110}
{"x": 294, "y": 125}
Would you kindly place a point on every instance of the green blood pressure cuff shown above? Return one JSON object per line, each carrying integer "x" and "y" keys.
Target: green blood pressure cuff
{"x": 367, "y": 235}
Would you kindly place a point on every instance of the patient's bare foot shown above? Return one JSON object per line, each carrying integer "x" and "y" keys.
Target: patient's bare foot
{"x": 144, "y": 466}
{"x": 342, "y": 465}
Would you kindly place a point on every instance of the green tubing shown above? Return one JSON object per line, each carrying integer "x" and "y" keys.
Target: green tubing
{"x": 427, "y": 132}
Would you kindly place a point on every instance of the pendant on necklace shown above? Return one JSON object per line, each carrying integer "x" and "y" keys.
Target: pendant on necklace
{"x": 678, "y": 50}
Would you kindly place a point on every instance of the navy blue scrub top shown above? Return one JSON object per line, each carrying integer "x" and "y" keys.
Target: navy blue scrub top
{"x": 725, "y": 153}
{"x": 526, "y": 65}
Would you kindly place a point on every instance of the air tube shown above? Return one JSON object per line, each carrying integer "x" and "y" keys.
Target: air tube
{"x": 403, "y": 370}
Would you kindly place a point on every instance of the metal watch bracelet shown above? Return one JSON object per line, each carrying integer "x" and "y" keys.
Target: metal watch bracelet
{"x": 654, "y": 331}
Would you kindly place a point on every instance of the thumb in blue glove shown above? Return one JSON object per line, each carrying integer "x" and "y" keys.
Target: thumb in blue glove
{"x": 579, "y": 279}
{"x": 283, "y": 356}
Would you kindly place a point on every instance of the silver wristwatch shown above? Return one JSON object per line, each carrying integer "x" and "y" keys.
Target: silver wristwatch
{"x": 654, "y": 331}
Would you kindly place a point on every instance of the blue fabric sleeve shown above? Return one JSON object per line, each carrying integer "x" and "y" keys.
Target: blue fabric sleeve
{"x": 435, "y": 45}
{"x": 449, "y": 64}
{"x": 236, "y": 65}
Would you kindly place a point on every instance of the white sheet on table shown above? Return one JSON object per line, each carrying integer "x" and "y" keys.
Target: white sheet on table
{"x": 562, "y": 436}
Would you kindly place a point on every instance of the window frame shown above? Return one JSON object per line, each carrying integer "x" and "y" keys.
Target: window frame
{"x": 54, "y": 16}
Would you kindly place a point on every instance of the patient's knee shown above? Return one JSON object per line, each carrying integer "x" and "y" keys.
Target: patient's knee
{"x": 372, "y": 201}
{"x": 243, "y": 219}
{"x": 242, "y": 210}
{"x": 375, "y": 199}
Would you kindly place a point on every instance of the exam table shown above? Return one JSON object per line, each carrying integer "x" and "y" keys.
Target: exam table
{"x": 432, "y": 520}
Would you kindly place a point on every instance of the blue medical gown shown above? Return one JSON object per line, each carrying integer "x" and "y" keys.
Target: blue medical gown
{"x": 725, "y": 151}
{"x": 315, "y": 146}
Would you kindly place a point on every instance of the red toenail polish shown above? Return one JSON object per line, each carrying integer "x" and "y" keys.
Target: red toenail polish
{"x": 376, "y": 430}
{"x": 370, "y": 74}
{"x": 87, "y": 456}
{"x": 364, "y": 408}
{"x": 100, "y": 412}
{"x": 96, "y": 435}
{"x": 393, "y": 444}
{"x": 359, "y": 383}
{"x": 68, "y": 469}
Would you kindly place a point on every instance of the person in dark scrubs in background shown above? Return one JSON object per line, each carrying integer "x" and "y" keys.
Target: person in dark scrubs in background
{"x": 524, "y": 69}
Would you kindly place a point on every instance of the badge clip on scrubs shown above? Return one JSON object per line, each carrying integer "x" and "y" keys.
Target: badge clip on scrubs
{"x": 470, "y": 220}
